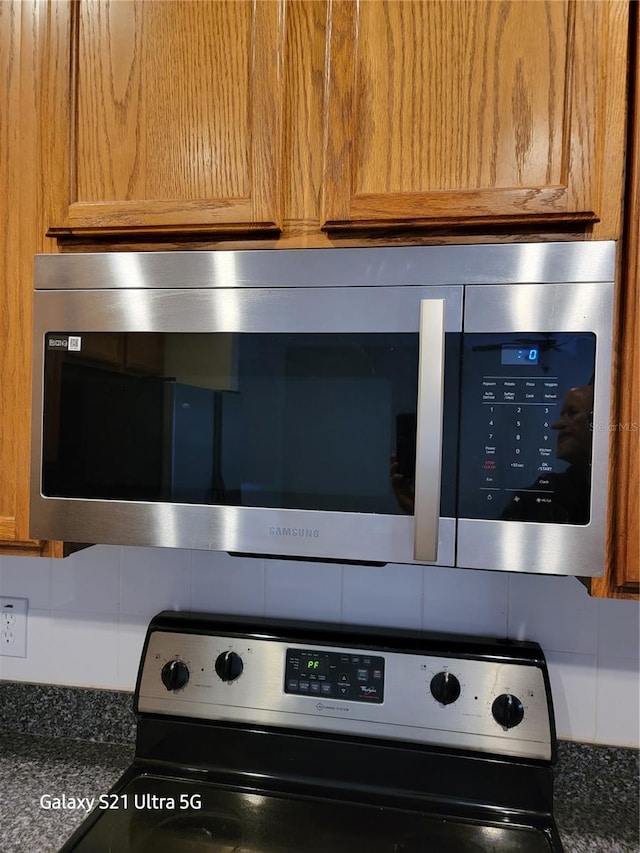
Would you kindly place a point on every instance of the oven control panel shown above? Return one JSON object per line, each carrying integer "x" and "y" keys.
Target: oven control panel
{"x": 484, "y": 704}
{"x": 334, "y": 675}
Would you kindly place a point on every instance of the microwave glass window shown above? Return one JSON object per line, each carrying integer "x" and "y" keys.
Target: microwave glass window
{"x": 308, "y": 421}
{"x": 526, "y": 427}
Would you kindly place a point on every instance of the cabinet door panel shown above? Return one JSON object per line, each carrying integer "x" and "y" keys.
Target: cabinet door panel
{"x": 173, "y": 115}
{"x": 466, "y": 112}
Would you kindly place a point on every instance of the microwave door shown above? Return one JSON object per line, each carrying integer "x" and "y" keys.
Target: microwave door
{"x": 429, "y": 429}
{"x": 287, "y": 408}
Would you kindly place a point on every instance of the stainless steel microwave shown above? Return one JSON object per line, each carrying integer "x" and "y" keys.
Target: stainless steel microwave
{"x": 442, "y": 404}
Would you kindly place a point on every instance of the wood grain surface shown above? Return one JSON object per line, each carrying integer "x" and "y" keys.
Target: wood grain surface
{"x": 20, "y": 237}
{"x": 174, "y": 112}
{"x": 623, "y": 571}
{"x": 466, "y": 110}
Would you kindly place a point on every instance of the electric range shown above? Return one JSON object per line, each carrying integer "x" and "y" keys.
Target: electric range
{"x": 275, "y": 736}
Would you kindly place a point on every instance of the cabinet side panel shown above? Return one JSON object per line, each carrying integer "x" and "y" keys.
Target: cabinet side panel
{"x": 9, "y": 257}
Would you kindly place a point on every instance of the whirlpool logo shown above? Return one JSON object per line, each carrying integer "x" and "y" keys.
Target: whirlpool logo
{"x": 295, "y": 532}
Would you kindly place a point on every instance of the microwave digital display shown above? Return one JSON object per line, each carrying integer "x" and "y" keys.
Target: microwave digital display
{"x": 516, "y": 354}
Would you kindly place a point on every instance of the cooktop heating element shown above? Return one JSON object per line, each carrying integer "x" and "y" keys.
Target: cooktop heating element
{"x": 273, "y": 736}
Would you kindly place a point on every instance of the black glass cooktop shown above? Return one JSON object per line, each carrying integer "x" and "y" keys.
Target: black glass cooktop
{"x": 151, "y": 814}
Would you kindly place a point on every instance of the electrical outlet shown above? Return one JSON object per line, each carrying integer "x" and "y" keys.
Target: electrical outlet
{"x": 13, "y": 626}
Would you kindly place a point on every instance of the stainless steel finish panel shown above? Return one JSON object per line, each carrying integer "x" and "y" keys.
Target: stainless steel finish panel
{"x": 429, "y": 429}
{"x": 529, "y": 546}
{"x": 276, "y": 532}
{"x": 408, "y": 712}
{"x": 526, "y": 546}
{"x": 409, "y": 265}
{"x": 565, "y": 307}
{"x": 332, "y": 309}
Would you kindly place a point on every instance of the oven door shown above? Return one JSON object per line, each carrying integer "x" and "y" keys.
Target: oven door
{"x": 286, "y": 421}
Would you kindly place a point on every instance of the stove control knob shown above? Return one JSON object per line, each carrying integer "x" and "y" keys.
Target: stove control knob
{"x": 445, "y": 688}
{"x": 507, "y": 711}
{"x": 229, "y": 666}
{"x": 175, "y": 675}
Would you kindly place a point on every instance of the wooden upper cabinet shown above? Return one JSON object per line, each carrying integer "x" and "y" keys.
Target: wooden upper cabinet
{"x": 623, "y": 547}
{"x": 476, "y": 112}
{"x": 163, "y": 116}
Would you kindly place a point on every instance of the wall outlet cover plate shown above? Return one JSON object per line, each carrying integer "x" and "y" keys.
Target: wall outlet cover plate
{"x": 13, "y": 626}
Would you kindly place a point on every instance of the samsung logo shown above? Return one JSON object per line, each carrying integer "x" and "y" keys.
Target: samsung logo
{"x": 300, "y": 532}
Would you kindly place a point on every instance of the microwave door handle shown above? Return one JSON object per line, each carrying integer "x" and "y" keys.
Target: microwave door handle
{"x": 429, "y": 429}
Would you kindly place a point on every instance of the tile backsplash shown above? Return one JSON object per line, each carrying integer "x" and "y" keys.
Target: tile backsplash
{"x": 88, "y": 615}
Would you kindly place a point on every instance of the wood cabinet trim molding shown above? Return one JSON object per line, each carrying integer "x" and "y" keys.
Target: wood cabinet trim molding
{"x": 522, "y": 205}
{"x": 159, "y": 214}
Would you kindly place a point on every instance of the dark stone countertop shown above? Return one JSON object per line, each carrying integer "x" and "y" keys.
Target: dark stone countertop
{"x": 596, "y": 798}
{"x": 56, "y": 740}
{"x": 33, "y": 767}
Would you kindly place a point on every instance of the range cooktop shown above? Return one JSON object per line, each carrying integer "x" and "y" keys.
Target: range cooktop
{"x": 273, "y": 736}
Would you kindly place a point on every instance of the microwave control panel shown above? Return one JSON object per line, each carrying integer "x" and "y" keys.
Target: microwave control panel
{"x": 526, "y": 427}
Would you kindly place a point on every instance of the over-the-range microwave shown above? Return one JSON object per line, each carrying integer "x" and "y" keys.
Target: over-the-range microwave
{"x": 440, "y": 404}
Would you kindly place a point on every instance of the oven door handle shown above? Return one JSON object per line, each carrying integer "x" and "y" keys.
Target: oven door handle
{"x": 429, "y": 429}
